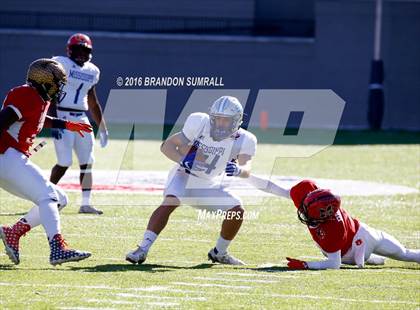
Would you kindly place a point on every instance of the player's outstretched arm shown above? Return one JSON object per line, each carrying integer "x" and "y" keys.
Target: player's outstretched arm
{"x": 7, "y": 117}
{"x": 269, "y": 187}
{"x": 333, "y": 261}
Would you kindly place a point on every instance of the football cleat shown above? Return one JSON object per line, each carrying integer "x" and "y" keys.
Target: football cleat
{"x": 375, "y": 260}
{"x": 11, "y": 236}
{"x": 225, "y": 258}
{"x": 89, "y": 210}
{"x": 60, "y": 253}
{"x": 138, "y": 256}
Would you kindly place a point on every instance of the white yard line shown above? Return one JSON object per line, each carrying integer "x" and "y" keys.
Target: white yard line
{"x": 168, "y": 289}
{"x": 128, "y": 295}
{"x": 242, "y": 287}
{"x": 257, "y": 275}
{"x": 124, "y": 302}
{"x": 236, "y": 280}
{"x": 110, "y": 301}
{"x": 152, "y": 182}
{"x": 163, "y": 304}
{"x": 100, "y": 287}
{"x": 84, "y": 308}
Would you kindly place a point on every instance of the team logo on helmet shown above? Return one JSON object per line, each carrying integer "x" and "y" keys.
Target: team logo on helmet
{"x": 320, "y": 233}
{"x": 48, "y": 77}
{"x": 318, "y": 206}
{"x": 226, "y": 115}
{"x": 79, "y": 48}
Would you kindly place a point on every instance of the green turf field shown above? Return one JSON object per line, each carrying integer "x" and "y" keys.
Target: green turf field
{"x": 177, "y": 273}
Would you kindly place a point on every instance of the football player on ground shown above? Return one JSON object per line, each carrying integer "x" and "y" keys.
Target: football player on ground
{"x": 82, "y": 75}
{"x": 341, "y": 238}
{"x": 22, "y": 117}
{"x": 216, "y": 140}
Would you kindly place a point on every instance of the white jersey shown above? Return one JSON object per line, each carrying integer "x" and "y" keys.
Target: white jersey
{"x": 79, "y": 81}
{"x": 218, "y": 153}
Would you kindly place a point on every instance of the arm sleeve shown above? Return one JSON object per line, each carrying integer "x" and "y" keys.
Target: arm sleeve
{"x": 17, "y": 100}
{"x": 333, "y": 261}
{"x": 193, "y": 125}
{"x": 267, "y": 186}
{"x": 16, "y": 110}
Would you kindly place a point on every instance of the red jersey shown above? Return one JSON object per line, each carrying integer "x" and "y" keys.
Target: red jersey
{"x": 336, "y": 233}
{"x": 32, "y": 110}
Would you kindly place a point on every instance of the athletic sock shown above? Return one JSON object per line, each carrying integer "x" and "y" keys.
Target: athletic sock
{"x": 32, "y": 217}
{"x": 50, "y": 218}
{"x": 148, "y": 239}
{"x": 86, "y": 197}
{"x": 222, "y": 245}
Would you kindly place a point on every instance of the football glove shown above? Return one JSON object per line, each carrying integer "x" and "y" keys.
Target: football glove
{"x": 296, "y": 264}
{"x": 57, "y": 133}
{"x": 232, "y": 169}
{"x": 103, "y": 137}
{"x": 78, "y": 127}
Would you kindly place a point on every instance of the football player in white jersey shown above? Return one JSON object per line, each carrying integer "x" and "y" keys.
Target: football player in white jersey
{"x": 219, "y": 147}
{"x": 80, "y": 97}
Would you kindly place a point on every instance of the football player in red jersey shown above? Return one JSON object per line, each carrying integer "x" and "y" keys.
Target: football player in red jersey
{"x": 341, "y": 238}
{"x": 22, "y": 117}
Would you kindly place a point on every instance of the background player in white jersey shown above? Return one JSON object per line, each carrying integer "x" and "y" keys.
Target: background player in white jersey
{"x": 80, "y": 97}
{"x": 215, "y": 141}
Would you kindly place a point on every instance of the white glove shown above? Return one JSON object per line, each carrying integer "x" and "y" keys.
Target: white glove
{"x": 103, "y": 137}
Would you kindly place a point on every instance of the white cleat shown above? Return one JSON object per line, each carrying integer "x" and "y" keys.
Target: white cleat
{"x": 375, "y": 260}
{"x": 138, "y": 256}
{"x": 224, "y": 258}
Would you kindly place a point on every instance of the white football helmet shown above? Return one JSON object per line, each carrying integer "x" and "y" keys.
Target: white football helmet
{"x": 225, "y": 107}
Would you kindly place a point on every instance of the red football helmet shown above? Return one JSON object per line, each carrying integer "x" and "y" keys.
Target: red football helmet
{"x": 318, "y": 206}
{"x": 79, "y": 48}
{"x": 301, "y": 190}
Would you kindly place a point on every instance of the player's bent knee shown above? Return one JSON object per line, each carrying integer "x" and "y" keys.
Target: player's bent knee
{"x": 237, "y": 209}
{"x": 49, "y": 193}
{"x": 171, "y": 201}
{"x": 235, "y": 213}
